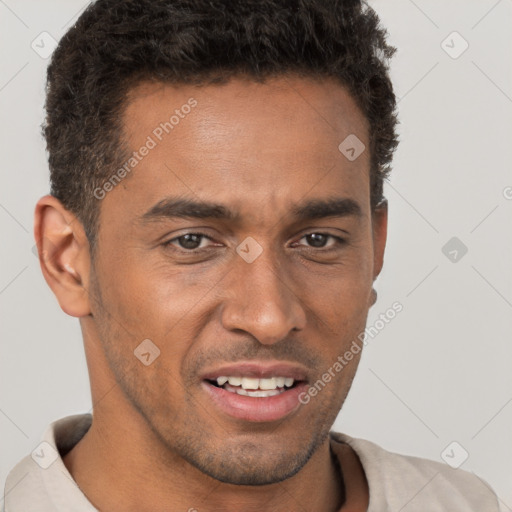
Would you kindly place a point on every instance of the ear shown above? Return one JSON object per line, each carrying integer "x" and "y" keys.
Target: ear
{"x": 380, "y": 232}
{"x": 63, "y": 255}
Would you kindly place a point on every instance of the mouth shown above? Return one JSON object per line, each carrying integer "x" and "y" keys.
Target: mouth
{"x": 256, "y": 393}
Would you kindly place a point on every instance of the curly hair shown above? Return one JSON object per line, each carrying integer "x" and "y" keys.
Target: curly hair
{"x": 117, "y": 44}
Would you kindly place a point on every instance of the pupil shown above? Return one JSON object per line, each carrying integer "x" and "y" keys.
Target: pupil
{"x": 316, "y": 239}
{"x": 190, "y": 241}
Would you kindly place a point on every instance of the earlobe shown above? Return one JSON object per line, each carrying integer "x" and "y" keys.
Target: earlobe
{"x": 63, "y": 255}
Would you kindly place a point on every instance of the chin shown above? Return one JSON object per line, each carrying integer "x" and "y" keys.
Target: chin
{"x": 253, "y": 476}
{"x": 252, "y": 465}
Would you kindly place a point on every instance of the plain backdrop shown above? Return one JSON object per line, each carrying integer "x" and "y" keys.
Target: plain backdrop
{"x": 440, "y": 371}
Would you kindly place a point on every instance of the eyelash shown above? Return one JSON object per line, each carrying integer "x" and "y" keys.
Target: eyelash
{"x": 338, "y": 242}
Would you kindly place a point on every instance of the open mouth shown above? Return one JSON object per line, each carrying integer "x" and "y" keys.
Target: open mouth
{"x": 254, "y": 387}
{"x": 256, "y": 391}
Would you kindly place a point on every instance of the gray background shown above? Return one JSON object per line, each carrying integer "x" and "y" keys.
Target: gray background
{"x": 437, "y": 373}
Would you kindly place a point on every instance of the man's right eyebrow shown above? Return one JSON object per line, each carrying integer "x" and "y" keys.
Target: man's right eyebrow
{"x": 173, "y": 207}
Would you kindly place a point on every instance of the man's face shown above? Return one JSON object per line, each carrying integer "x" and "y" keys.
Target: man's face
{"x": 212, "y": 303}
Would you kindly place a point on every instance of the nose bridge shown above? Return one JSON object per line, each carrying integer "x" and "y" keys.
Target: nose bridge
{"x": 261, "y": 300}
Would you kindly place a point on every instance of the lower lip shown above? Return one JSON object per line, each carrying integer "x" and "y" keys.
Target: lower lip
{"x": 259, "y": 409}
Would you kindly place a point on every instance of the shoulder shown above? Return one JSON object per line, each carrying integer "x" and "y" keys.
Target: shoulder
{"x": 414, "y": 484}
{"x": 22, "y": 485}
{"x": 40, "y": 482}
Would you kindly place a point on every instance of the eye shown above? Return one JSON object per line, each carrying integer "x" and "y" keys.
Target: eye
{"x": 188, "y": 241}
{"x": 319, "y": 240}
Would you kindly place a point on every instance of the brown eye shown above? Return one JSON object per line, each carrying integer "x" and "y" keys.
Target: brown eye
{"x": 188, "y": 241}
{"x": 317, "y": 239}
{"x": 320, "y": 240}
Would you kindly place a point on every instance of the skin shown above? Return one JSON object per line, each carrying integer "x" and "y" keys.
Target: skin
{"x": 257, "y": 149}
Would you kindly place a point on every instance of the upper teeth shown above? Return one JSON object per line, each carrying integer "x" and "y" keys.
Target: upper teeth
{"x": 253, "y": 383}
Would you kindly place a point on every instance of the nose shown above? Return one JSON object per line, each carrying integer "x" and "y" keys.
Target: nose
{"x": 261, "y": 301}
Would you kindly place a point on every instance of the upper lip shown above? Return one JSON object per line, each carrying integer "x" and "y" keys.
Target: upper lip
{"x": 261, "y": 370}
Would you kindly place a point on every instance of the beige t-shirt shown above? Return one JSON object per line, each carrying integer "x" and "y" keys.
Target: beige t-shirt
{"x": 40, "y": 482}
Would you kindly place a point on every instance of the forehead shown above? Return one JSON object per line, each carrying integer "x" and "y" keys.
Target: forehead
{"x": 305, "y": 105}
{"x": 245, "y": 143}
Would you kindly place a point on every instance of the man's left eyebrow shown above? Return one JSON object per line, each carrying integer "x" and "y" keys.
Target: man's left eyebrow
{"x": 323, "y": 208}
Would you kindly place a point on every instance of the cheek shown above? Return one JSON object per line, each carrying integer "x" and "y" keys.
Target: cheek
{"x": 337, "y": 308}
{"x": 167, "y": 306}
{"x": 337, "y": 291}
{"x": 147, "y": 294}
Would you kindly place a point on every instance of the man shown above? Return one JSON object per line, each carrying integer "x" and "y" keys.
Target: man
{"x": 216, "y": 222}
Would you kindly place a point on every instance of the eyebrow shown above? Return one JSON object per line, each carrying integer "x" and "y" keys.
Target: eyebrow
{"x": 172, "y": 207}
